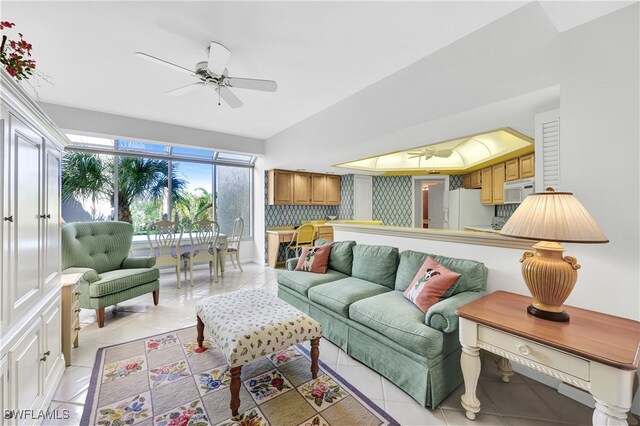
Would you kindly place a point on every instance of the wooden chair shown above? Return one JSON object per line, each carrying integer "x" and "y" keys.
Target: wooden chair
{"x": 204, "y": 238}
{"x": 164, "y": 243}
{"x": 233, "y": 243}
{"x": 302, "y": 237}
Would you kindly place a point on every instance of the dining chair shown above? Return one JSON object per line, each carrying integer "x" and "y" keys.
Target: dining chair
{"x": 302, "y": 237}
{"x": 164, "y": 243}
{"x": 203, "y": 235}
{"x": 233, "y": 243}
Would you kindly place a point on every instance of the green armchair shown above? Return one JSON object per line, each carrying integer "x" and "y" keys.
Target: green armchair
{"x": 100, "y": 252}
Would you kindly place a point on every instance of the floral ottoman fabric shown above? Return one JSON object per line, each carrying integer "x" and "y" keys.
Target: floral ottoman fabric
{"x": 250, "y": 324}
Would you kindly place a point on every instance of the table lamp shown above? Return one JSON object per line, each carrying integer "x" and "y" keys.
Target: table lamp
{"x": 551, "y": 217}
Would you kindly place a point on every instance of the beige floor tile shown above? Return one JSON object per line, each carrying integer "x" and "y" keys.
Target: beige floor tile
{"x": 458, "y": 418}
{"x": 518, "y": 399}
{"x": 395, "y": 394}
{"x": 414, "y": 414}
{"x": 519, "y": 421}
{"x": 362, "y": 378}
{"x": 566, "y": 409}
{"x": 74, "y": 381}
{"x": 65, "y": 415}
{"x": 487, "y": 406}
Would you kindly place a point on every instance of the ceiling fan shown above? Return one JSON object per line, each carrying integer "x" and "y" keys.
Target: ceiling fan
{"x": 431, "y": 152}
{"x": 213, "y": 73}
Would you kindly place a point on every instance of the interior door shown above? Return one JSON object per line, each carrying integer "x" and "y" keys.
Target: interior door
{"x": 362, "y": 198}
{"x": 436, "y": 206}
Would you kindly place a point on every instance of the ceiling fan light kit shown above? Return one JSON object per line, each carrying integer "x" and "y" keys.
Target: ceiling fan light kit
{"x": 214, "y": 73}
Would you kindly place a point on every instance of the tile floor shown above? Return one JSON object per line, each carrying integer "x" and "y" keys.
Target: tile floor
{"x": 521, "y": 402}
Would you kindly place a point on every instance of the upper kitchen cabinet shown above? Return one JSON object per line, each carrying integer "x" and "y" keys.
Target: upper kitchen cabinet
{"x": 299, "y": 188}
{"x": 497, "y": 176}
{"x": 527, "y": 166}
{"x": 512, "y": 170}
{"x": 487, "y": 188}
{"x": 280, "y": 187}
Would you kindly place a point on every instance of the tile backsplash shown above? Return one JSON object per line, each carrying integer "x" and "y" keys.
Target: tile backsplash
{"x": 506, "y": 210}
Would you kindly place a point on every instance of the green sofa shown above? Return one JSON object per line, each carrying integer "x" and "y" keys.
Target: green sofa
{"x": 360, "y": 304}
{"x": 100, "y": 252}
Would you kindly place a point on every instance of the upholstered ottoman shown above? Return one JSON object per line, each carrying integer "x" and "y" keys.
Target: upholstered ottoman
{"x": 251, "y": 324}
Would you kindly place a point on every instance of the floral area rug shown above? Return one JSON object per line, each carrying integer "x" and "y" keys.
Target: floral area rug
{"x": 162, "y": 381}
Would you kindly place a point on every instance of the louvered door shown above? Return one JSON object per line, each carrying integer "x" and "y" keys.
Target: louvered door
{"x": 547, "y": 165}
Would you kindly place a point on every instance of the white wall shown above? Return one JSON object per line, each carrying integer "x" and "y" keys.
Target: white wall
{"x": 85, "y": 121}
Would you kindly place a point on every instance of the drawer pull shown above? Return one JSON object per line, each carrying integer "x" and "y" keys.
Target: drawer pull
{"x": 8, "y": 218}
{"x": 76, "y": 311}
{"x": 46, "y": 354}
{"x": 77, "y": 293}
{"x": 524, "y": 350}
{"x": 77, "y": 329}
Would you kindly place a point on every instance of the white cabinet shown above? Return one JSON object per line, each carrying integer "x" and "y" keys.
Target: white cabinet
{"x": 30, "y": 280}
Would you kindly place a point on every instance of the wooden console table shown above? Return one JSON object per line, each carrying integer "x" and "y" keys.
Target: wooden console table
{"x": 595, "y": 352}
{"x": 70, "y": 314}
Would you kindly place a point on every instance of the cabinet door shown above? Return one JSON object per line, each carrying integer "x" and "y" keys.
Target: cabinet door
{"x": 280, "y": 187}
{"x": 51, "y": 221}
{"x": 466, "y": 181}
{"x": 512, "y": 169}
{"x": 487, "y": 187}
{"x": 318, "y": 189}
{"x": 333, "y": 190}
{"x": 301, "y": 188}
{"x": 527, "y": 166}
{"x": 498, "y": 183}
{"x": 476, "y": 179}
{"x": 25, "y": 368}
{"x": 4, "y": 385}
{"x": 52, "y": 338}
{"x": 24, "y": 232}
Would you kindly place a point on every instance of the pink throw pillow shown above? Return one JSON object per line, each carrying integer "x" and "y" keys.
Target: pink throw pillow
{"x": 430, "y": 283}
{"x": 314, "y": 259}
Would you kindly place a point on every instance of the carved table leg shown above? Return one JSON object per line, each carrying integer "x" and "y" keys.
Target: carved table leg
{"x": 235, "y": 390}
{"x": 609, "y": 415}
{"x": 470, "y": 363}
{"x": 504, "y": 367}
{"x": 200, "y": 327}
{"x": 315, "y": 352}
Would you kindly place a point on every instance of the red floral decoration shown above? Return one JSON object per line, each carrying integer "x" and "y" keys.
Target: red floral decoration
{"x": 15, "y": 54}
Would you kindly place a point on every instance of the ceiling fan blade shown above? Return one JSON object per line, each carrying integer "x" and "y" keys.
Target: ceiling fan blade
{"x": 414, "y": 156}
{"x": 218, "y": 58}
{"x": 253, "y": 84}
{"x": 443, "y": 153}
{"x": 185, "y": 89}
{"x": 229, "y": 97}
{"x": 165, "y": 63}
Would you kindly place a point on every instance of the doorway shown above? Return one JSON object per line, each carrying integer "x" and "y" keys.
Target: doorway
{"x": 430, "y": 202}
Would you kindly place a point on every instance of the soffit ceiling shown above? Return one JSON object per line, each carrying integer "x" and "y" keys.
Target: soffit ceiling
{"x": 318, "y": 52}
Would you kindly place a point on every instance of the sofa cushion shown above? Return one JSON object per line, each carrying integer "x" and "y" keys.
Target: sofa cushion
{"x": 473, "y": 273}
{"x": 301, "y": 282}
{"x": 341, "y": 256}
{"x": 121, "y": 279}
{"x": 377, "y": 264}
{"x": 392, "y": 315}
{"x": 338, "y": 295}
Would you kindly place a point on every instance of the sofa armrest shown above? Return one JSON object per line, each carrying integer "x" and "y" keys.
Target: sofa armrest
{"x": 442, "y": 316}
{"x": 291, "y": 264}
{"x": 138, "y": 262}
{"x": 89, "y": 275}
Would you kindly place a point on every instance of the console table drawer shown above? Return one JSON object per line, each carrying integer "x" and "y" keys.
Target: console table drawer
{"x": 523, "y": 348}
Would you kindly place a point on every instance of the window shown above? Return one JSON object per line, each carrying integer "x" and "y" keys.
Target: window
{"x": 142, "y": 182}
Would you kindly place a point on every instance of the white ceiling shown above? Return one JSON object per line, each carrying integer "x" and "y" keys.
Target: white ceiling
{"x": 318, "y": 52}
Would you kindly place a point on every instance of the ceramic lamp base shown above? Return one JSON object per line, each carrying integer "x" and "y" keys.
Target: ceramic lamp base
{"x": 550, "y": 277}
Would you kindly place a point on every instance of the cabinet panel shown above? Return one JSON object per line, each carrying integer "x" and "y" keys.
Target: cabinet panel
{"x": 333, "y": 190}
{"x": 52, "y": 339}
{"x": 51, "y": 244}
{"x": 527, "y": 166}
{"x": 487, "y": 187}
{"x": 498, "y": 183}
{"x": 25, "y": 206}
{"x": 476, "y": 179}
{"x": 280, "y": 187}
{"x": 301, "y": 188}
{"x": 318, "y": 189}
{"x": 26, "y": 370}
{"x": 512, "y": 170}
{"x": 466, "y": 181}
{"x": 4, "y": 385}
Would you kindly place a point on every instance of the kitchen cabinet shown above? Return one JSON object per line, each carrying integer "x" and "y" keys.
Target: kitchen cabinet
{"x": 280, "y": 187}
{"x": 30, "y": 317}
{"x": 497, "y": 176}
{"x": 318, "y": 189}
{"x": 512, "y": 169}
{"x": 466, "y": 181}
{"x": 332, "y": 190}
{"x": 475, "y": 179}
{"x": 301, "y": 188}
{"x": 287, "y": 187}
{"x": 527, "y": 166}
{"x": 486, "y": 189}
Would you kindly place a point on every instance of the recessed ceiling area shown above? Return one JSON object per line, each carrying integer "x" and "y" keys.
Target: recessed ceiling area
{"x": 459, "y": 155}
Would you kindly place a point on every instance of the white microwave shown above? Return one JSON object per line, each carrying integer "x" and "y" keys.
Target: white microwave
{"x": 516, "y": 190}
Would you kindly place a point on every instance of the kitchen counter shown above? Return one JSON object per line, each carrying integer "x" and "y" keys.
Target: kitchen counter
{"x": 482, "y": 229}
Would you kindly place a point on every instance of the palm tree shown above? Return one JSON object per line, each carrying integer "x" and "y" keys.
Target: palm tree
{"x": 195, "y": 206}
{"x": 90, "y": 176}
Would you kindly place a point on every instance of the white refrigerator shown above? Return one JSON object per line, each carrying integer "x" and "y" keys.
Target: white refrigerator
{"x": 466, "y": 209}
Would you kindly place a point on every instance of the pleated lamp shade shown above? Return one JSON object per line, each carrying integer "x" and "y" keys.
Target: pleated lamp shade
{"x": 553, "y": 216}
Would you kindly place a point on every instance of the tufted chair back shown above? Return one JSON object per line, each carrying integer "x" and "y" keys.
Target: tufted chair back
{"x": 101, "y": 246}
